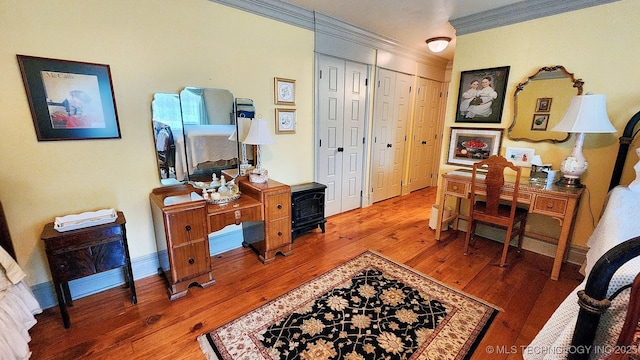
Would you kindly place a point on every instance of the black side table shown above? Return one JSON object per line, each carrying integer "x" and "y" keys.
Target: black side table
{"x": 307, "y": 208}
{"x": 78, "y": 253}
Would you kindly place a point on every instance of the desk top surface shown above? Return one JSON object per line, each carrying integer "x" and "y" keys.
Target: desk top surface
{"x": 526, "y": 184}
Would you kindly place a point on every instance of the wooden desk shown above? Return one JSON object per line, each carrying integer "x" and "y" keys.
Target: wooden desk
{"x": 559, "y": 203}
{"x": 78, "y": 253}
{"x": 183, "y": 219}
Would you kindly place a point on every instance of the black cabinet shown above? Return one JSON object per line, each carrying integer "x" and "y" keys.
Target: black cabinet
{"x": 307, "y": 208}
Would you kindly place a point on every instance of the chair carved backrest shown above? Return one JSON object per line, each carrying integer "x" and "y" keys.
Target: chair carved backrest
{"x": 494, "y": 181}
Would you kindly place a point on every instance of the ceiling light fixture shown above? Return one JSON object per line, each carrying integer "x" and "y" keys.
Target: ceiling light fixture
{"x": 438, "y": 44}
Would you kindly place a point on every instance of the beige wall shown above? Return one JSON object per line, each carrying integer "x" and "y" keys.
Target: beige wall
{"x": 151, "y": 46}
{"x": 599, "y": 45}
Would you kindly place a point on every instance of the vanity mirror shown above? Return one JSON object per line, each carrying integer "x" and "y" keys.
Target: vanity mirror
{"x": 539, "y": 104}
{"x": 195, "y": 134}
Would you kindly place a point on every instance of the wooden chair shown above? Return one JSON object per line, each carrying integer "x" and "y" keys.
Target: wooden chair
{"x": 496, "y": 208}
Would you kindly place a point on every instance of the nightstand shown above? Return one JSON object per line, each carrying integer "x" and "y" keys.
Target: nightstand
{"x": 78, "y": 253}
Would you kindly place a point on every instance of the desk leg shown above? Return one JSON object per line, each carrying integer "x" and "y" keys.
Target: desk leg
{"x": 565, "y": 231}
{"x": 440, "y": 215}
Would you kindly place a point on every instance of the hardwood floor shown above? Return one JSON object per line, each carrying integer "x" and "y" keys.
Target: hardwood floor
{"x": 107, "y": 326}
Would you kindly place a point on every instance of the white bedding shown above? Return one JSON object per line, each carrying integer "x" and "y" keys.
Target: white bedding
{"x": 17, "y": 309}
{"x": 204, "y": 143}
{"x": 619, "y": 222}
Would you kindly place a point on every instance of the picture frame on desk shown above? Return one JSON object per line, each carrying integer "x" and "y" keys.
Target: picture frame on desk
{"x": 468, "y": 146}
{"x": 69, "y": 100}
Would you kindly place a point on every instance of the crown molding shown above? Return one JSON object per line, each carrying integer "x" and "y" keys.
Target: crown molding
{"x": 324, "y": 25}
{"x": 290, "y": 14}
{"x": 519, "y": 12}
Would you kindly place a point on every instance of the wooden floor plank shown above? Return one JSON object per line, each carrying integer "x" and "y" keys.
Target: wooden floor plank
{"x": 107, "y": 326}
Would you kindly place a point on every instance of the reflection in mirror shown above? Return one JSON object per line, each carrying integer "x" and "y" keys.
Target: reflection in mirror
{"x": 205, "y": 120}
{"x": 208, "y": 120}
{"x": 539, "y": 104}
{"x": 167, "y": 126}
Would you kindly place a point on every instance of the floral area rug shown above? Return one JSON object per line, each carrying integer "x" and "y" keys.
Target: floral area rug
{"x": 368, "y": 308}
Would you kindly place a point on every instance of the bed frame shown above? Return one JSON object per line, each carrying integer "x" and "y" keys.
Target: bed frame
{"x": 592, "y": 300}
{"x": 5, "y": 237}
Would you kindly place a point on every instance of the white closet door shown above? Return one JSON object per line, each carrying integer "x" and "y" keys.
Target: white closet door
{"x": 424, "y": 138}
{"x": 341, "y": 109}
{"x": 355, "y": 110}
{"x": 391, "y": 116}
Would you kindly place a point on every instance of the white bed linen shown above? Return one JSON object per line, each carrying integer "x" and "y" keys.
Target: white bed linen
{"x": 204, "y": 143}
{"x": 619, "y": 222}
{"x": 17, "y": 309}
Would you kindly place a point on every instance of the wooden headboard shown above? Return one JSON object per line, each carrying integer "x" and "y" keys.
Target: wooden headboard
{"x": 5, "y": 237}
{"x": 625, "y": 140}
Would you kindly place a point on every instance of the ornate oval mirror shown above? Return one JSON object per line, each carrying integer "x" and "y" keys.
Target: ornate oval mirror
{"x": 539, "y": 104}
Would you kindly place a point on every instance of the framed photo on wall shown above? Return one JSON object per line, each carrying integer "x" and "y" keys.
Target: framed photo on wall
{"x": 69, "y": 100}
{"x": 471, "y": 145}
{"x": 285, "y": 121}
{"x": 284, "y": 91}
{"x": 540, "y": 122}
{"x": 481, "y": 95}
{"x": 543, "y": 105}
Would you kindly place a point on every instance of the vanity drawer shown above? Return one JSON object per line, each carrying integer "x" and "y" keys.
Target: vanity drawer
{"x": 549, "y": 205}
{"x": 237, "y": 216}
{"x": 278, "y": 206}
{"x": 458, "y": 188}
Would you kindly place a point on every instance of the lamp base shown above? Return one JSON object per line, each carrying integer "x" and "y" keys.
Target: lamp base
{"x": 569, "y": 182}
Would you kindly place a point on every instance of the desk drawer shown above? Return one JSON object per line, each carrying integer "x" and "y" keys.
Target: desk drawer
{"x": 549, "y": 205}
{"x": 457, "y": 188}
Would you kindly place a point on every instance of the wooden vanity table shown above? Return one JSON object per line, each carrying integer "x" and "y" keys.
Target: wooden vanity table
{"x": 183, "y": 220}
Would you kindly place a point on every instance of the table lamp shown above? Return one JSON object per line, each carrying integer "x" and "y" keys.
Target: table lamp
{"x": 259, "y": 135}
{"x": 586, "y": 114}
{"x": 244, "y": 123}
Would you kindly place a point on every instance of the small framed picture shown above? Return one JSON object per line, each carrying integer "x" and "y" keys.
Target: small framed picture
{"x": 285, "y": 121}
{"x": 520, "y": 156}
{"x": 540, "y": 122}
{"x": 284, "y": 91}
{"x": 543, "y": 105}
{"x": 69, "y": 100}
{"x": 471, "y": 145}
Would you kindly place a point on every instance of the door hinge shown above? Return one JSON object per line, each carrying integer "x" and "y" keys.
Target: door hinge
{"x": 320, "y": 74}
{"x": 363, "y": 140}
{"x": 320, "y": 145}
{"x": 366, "y": 82}
{"x": 440, "y": 93}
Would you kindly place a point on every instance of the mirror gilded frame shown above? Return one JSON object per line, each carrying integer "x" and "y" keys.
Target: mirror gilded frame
{"x": 538, "y": 109}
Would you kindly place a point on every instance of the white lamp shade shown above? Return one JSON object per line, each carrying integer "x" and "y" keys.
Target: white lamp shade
{"x": 259, "y": 133}
{"x": 586, "y": 114}
{"x": 438, "y": 44}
